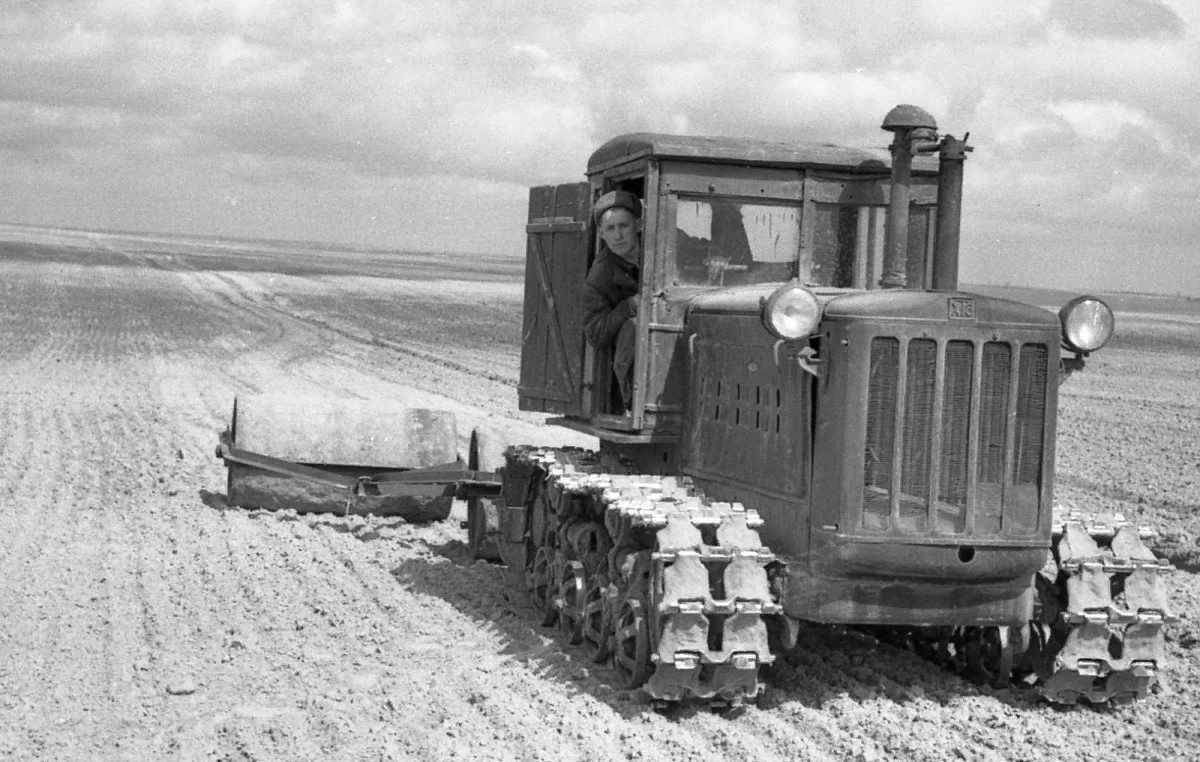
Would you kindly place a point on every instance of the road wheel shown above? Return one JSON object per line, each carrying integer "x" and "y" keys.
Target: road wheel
{"x": 631, "y": 645}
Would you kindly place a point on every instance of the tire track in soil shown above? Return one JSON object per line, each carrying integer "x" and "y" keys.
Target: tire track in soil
{"x": 265, "y": 335}
{"x": 172, "y": 627}
{"x": 323, "y": 363}
{"x": 509, "y": 703}
{"x": 412, "y": 349}
{"x": 351, "y": 624}
{"x": 324, "y": 370}
{"x": 174, "y": 634}
{"x": 265, "y": 339}
{"x": 253, "y": 625}
{"x": 18, "y": 514}
{"x": 426, "y": 375}
{"x": 292, "y": 346}
{"x": 99, "y": 342}
{"x": 221, "y": 622}
{"x": 20, "y": 525}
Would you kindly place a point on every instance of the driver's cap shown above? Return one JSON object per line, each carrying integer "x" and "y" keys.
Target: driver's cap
{"x": 615, "y": 199}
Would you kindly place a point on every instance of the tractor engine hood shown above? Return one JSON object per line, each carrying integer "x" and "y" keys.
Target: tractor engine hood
{"x": 938, "y": 307}
{"x": 890, "y": 306}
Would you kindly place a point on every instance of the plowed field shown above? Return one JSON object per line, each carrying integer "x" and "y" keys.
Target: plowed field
{"x": 141, "y": 618}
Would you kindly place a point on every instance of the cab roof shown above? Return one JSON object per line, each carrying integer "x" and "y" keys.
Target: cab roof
{"x": 745, "y": 151}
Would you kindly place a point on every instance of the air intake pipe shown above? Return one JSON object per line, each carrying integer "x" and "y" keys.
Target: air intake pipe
{"x": 914, "y": 131}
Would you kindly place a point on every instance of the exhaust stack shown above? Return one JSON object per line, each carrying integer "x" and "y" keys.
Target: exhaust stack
{"x": 951, "y": 155}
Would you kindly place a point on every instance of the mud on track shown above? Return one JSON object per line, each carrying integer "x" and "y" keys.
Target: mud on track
{"x": 143, "y": 619}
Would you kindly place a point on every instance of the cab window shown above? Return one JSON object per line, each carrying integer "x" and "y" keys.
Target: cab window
{"x": 722, "y": 242}
{"x": 728, "y": 242}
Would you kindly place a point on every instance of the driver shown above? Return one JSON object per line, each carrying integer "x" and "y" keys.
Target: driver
{"x": 610, "y": 296}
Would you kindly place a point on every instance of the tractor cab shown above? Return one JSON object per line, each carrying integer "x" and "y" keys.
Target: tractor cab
{"x": 718, "y": 213}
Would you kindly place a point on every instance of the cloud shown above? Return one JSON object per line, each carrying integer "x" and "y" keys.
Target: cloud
{"x": 1119, "y": 19}
{"x": 1106, "y": 122}
{"x": 545, "y": 66}
{"x": 1084, "y": 114}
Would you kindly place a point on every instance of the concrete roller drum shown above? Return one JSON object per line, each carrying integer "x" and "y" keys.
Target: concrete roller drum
{"x": 340, "y": 442}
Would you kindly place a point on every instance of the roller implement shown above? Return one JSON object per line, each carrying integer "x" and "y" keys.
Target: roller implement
{"x": 821, "y": 427}
{"x": 387, "y": 459}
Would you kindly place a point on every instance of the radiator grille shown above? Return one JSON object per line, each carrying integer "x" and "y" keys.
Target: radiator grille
{"x": 953, "y": 436}
{"x": 918, "y": 418}
{"x": 1031, "y": 409}
{"x": 956, "y": 432}
{"x": 994, "y": 385}
{"x": 884, "y": 374}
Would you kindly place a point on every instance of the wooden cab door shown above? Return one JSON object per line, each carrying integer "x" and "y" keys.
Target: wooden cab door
{"x": 556, "y": 263}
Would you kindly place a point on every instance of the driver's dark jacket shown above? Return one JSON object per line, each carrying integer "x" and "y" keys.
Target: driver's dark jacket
{"x": 610, "y": 283}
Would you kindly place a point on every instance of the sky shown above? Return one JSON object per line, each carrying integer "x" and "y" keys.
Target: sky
{"x": 421, "y": 124}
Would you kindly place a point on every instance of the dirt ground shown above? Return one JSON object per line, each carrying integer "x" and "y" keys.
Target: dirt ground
{"x": 144, "y": 619}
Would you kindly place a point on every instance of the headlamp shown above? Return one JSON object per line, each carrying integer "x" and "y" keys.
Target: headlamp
{"x": 792, "y": 312}
{"x": 1087, "y": 324}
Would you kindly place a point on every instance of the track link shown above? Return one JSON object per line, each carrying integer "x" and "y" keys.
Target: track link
{"x": 1097, "y": 629}
{"x": 667, "y": 586}
{"x": 1097, "y": 633}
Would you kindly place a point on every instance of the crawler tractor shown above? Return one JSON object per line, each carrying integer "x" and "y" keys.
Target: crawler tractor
{"x": 823, "y": 429}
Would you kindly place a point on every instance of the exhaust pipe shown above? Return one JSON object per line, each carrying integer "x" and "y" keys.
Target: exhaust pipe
{"x": 914, "y": 131}
{"x": 951, "y": 154}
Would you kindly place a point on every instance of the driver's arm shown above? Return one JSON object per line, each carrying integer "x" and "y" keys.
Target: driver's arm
{"x": 602, "y": 318}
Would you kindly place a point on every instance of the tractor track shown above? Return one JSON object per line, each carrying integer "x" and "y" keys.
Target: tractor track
{"x": 146, "y": 620}
{"x": 267, "y": 308}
